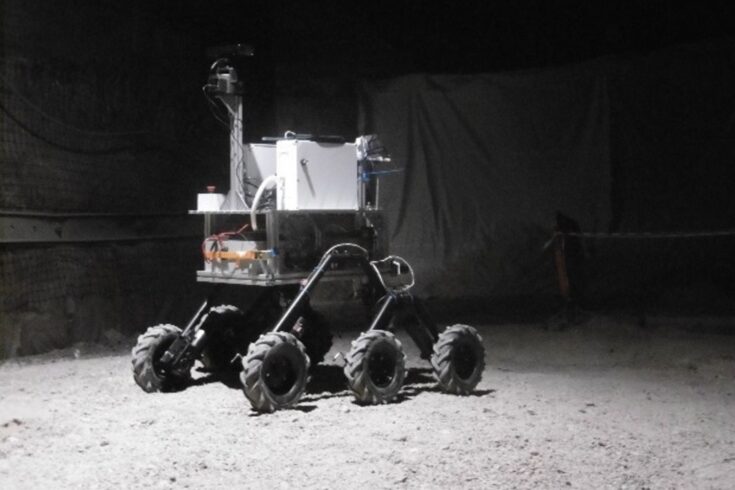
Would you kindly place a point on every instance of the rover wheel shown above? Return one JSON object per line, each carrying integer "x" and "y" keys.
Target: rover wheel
{"x": 223, "y": 324}
{"x": 313, "y": 330}
{"x": 458, "y": 359}
{"x": 274, "y": 372}
{"x": 147, "y": 353}
{"x": 375, "y": 367}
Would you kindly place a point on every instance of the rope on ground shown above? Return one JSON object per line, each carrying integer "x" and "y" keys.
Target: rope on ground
{"x": 646, "y": 234}
{"x": 638, "y": 235}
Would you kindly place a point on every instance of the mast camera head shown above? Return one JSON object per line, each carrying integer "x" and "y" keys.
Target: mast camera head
{"x": 223, "y": 74}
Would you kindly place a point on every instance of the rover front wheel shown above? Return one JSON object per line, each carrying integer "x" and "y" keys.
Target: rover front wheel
{"x": 375, "y": 367}
{"x": 275, "y": 372}
{"x": 458, "y": 359}
{"x": 147, "y": 370}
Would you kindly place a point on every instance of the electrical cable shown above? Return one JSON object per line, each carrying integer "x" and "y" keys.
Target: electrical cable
{"x": 218, "y": 238}
{"x": 213, "y": 107}
{"x": 238, "y": 169}
{"x": 217, "y": 62}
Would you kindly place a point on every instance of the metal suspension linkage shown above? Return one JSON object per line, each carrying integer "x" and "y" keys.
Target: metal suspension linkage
{"x": 393, "y": 300}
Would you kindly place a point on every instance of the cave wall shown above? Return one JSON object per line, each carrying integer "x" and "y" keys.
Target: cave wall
{"x": 103, "y": 130}
{"x": 102, "y": 126}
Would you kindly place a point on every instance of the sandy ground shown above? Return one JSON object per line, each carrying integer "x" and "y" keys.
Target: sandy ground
{"x": 602, "y": 405}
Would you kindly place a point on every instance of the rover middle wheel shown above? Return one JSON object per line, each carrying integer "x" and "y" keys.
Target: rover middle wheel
{"x": 275, "y": 372}
{"x": 375, "y": 367}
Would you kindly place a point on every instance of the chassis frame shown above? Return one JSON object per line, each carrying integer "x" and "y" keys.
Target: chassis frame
{"x": 392, "y": 303}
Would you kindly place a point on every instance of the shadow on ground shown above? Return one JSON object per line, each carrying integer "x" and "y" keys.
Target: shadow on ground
{"x": 328, "y": 381}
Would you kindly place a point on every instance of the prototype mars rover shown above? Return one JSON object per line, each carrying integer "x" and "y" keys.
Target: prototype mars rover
{"x": 301, "y": 209}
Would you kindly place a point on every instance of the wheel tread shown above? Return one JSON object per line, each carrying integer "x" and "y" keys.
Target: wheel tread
{"x": 217, "y": 355}
{"x": 441, "y": 359}
{"x": 253, "y": 387}
{"x": 142, "y": 364}
{"x": 357, "y": 376}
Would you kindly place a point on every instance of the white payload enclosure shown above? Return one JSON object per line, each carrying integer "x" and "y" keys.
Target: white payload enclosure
{"x": 310, "y": 176}
{"x": 307, "y": 172}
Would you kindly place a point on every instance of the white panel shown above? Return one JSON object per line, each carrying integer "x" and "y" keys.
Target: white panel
{"x": 260, "y": 162}
{"x": 317, "y": 175}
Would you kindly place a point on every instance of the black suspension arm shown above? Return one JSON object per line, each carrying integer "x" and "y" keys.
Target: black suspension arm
{"x": 425, "y": 318}
{"x": 357, "y": 254}
{"x": 424, "y": 333}
{"x": 385, "y": 312}
{"x": 181, "y": 348}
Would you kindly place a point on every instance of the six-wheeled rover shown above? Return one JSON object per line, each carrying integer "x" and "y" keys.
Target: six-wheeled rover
{"x": 301, "y": 209}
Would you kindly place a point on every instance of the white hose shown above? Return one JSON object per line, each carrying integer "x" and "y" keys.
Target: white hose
{"x": 268, "y": 181}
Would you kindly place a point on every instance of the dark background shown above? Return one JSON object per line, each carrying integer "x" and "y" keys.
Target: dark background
{"x": 101, "y": 113}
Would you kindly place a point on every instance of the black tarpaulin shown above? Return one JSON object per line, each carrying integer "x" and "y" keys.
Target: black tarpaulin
{"x": 487, "y": 162}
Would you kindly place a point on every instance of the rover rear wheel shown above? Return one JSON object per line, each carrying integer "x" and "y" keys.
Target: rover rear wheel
{"x": 224, "y": 325}
{"x": 313, "y": 330}
{"x": 458, "y": 359}
{"x": 275, "y": 372}
{"x": 147, "y": 370}
{"x": 375, "y": 367}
